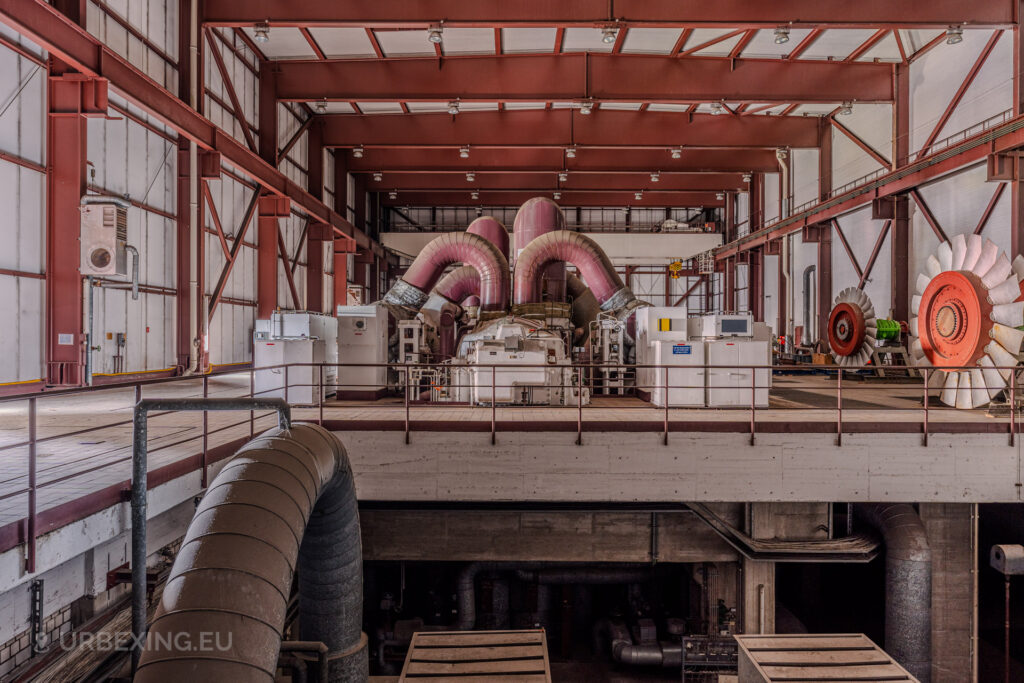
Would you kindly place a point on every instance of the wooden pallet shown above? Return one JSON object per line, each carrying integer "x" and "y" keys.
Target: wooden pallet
{"x": 471, "y": 656}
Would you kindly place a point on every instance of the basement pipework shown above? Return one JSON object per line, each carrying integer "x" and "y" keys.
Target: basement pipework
{"x": 625, "y": 651}
{"x": 285, "y": 503}
{"x": 908, "y": 585}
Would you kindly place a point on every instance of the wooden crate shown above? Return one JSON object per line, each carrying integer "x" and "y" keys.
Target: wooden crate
{"x": 471, "y": 656}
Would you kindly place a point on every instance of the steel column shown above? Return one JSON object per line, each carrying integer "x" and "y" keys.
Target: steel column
{"x": 270, "y": 209}
{"x": 1016, "y": 193}
{"x": 899, "y": 240}
{"x": 342, "y": 245}
{"x": 267, "y": 143}
{"x": 824, "y": 271}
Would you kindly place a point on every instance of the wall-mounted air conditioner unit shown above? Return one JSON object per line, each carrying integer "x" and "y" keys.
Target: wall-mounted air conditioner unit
{"x": 104, "y": 236}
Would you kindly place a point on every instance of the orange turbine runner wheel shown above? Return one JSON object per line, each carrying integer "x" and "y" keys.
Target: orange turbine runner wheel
{"x": 953, "y": 319}
{"x": 846, "y": 329}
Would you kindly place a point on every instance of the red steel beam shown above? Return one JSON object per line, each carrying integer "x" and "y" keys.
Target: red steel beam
{"x": 955, "y": 102}
{"x": 593, "y": 13}
{"x": 805, "y": 44}
{"x": 874, "y": 254}
{"x": 846, "y": 247}
{"x": 533, "y": 160}
{"x": 983, "y": 221}
{"x": 567, "y": 127}
{"x": 972, "y": 150}
{"x": 545, "y": 182}
{"x": 857, "y": 140}
{"x": 867, "y": 45}
{"x": 225, "y": 78}
{"x": 568, "y": 198}
{"x": 929, "y": 216}
{"x": 216, "y": 219}
{"x": 603, "y": 77}
{"x": 42, "y": 24}
{"x": 283, "y": 253}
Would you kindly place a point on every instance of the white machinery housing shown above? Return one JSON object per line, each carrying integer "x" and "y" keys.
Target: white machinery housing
{"x": 104, "y": 236}
{"x": 295, "y": 338}
{"x": 362, "y": 342}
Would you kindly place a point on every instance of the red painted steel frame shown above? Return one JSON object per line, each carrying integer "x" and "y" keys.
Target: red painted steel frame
{"x": 42, "y": 24}
{"x": 567, "y": 127}
{"x": 592, "y": 13}
{"x": 561, "y": 77}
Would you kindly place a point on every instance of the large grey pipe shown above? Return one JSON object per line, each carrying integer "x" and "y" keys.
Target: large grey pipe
{"x": 908, "y": 585}
{"x": 286, "y": 501}
{"x": 625, "y": 651}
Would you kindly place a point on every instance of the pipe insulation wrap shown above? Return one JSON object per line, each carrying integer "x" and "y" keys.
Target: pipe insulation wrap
{"x": 456, "y": 247}
{"x": 576, "y": 248}
{"x": 908, "y": 585}
{"x": 285, "y": 502}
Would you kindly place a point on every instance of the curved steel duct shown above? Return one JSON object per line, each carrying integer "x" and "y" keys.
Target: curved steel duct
{"x": 908, "y": 585}
{"x": 580, "y": 250}
{"x": 625, "y": 651}
{"x": 492, "y": 230}
{"x": 413, "y": 289}
{"x": 459, "y": 284}
{"x": 285, "y": 500}
{"x": 536, "y": 217}
{"x": 584, "y": 307}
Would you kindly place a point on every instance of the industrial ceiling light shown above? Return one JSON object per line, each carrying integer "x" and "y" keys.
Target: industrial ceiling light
{"x": 638, "y": 195}
{"x": 262, "y": 32}
{"x": 453, "y": 107}
{"x": 746, "y": 177}
{"x": 954, "y": 35}
{"x": 655, "y": 177}
{"x": 357, "y": 152}
{"x": 378, "y": 176}
{"x": 464, "y": 152}
{"x": 563, "y": 176}
{"x": 717, "y": 108}
{"x": 321, "y": 106}
{"x": 556, "y": 195}
{"x": 479, "y": 211}
{"x": 470, "y": 177}
{"x": 720, "y": 196}
{"x": 393, "y": 194}
{"x": 677, "y": 152}
{"x": 781, "y": 35}
{"x": 586, "y": 107}
{"x": 434, "y": 34}
{"x": 570, "y": 152}
{"x": 846, "y": 109}
{"x": 474, "y": 195}
{"x": 608, "y": 34}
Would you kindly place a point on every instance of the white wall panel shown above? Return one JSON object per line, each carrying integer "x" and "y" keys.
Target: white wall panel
{"x": 23, "y": 219}
{"x": 872, "y": 123}
{"x": 156, "y": 19}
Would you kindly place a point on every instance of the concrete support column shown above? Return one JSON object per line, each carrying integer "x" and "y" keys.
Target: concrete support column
{"x": 758, "y": 596}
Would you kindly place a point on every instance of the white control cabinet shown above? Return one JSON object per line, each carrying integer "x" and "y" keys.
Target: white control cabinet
{"x": 363, "y": 341}
{"x": 295, "y": 339}
{"x": 684, "y": 361}
{"x": 733, "y": 385}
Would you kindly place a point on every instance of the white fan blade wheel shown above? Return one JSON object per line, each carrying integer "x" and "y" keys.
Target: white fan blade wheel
{"x": 945, "y": 253}
{"x": 979, "y": 392}
{"x": 932, "y": 266}
{"x": 988, "y": 258}
{"x": 913, "y": 327}
{"x": 999, "y": 271}
{"x": 963, "y": 391}
{"x": 1001, "y": 358}
{"x": 994, "y": 382}
{"x": 917, "y": 351}
{"x": 974, "y": 244}
{"x": 869, "y": 313}
{"x": 959, "y": 244}
{"x": 1011, "y": 315}
{"x": 1005, "y": 292}
{"x": 1018, "y": 266}
{"x": 937, "y": 379}
{"x": 1010, "y": 338}
{"x": 915, "y": 303}
{"x": 949, "y": 389}
{"x": 922, "y": 283}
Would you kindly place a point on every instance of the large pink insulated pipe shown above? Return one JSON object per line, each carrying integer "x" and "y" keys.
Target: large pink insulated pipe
{"x": 491, "y": 229}
{"x": 539, "y": 216}
{"x": 459, "y": 284}
{"x": 412, "y": 290}
{"x": 563, "y": 245}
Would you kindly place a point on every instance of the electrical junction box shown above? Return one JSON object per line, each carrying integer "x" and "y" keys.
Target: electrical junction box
{"x": 732, "y": 384}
